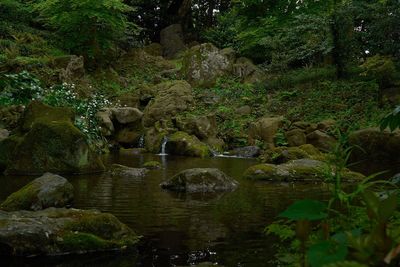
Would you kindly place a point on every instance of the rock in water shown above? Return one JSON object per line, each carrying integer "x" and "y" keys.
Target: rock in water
{"x": 47, "y": 191}
{"x": 62, "y": 231}
{"x": 47, "y": 141}
{"x": 297, "y": 170}
{"x": 183, "y": 144}
{"x": 200, "y": 180}
{"x": 121, "y": 170}
{"x": 247, "y": 152}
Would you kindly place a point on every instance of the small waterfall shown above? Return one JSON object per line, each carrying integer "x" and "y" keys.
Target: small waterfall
{"x": 141, "y": 142}
{"x": 163, "y": 146}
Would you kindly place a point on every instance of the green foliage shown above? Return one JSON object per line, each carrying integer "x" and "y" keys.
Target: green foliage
{"x": 17, "y": 89}
{"x": 392, "y": 120}
{"x": 90, "y": 28}
{"x": 380, "y": 68}
{"x": 352, "y": 103}
{"x": 85, "y": 109}
{"x": 356, "y": 228}
{"x": 326, "y": 252}
{"x": 223, "y": 34}
{"x": 309, "y": 210}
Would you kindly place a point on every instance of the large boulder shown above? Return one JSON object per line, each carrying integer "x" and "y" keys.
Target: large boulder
{"x": 183, "y": 144}
{"x": 203, "y": 64}
{"x": 296, "y": 170}
{"x": 48, "y": 142}
{"x": 203, "y": 127}
{"x": 4, "y": 133}
{"x": 47, "y": 191}
{"x": 280, "y": 155}
{"x": 172, "y": 40}
{"x": 153, "y": 139}
{"x": 200, "y": 180}
{"x": 104, "y": 118}
{"x": 126, "y": 115}
{"x": 373, "y": 144}
{"x": 74, "y": 70}
{"x": 62, "y": 231}
{"x": 171, "y": 98}
{"x": 130, "y": 135}
{"x": 321, "y": 140}
{"x": 244, "y": 69}
{"x": 296, "y": 137}
{"x": 9, "y": 116}
{"x": 265, "y": 129}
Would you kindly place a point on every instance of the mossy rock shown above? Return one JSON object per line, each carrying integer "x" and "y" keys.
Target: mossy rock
{"x": 171, "y": 98}
{"x": 38, "y": 112}
{"x": 125, "y": 171}
{"x": 261, "y": 172}
{"x": 200, "y": 180}
{"x": 152, "y": 165}
{"x": 153, "y": 139}
{"x": 7, "y": 147}
{"x": 53, "y": 146}
{"x": 297, "y": 170}
{"x": 279, "y": 155}
{"x": 181, "y": 143}
{"x": 62, "y": 231}
{"x": 49, "y": 190}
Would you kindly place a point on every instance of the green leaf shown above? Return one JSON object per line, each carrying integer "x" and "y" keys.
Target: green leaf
{"x": 372, "y": 202}
{"x": 387, "y": 207}
{"x": 326, "y": 252}
{"x": 310, "y": 210}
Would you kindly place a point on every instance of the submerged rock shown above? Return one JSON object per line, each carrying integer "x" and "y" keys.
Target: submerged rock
{"x": 200, "y": 180}
{"x": 246, "y": 152}
{"x": 47, "y": 191}
{"x": 152, "y": 165}
{"x": 181, "y": 143}
{"x": 121, "y": 170}
{"x": 62, "y": 231}
{"x": 296, "y": 170}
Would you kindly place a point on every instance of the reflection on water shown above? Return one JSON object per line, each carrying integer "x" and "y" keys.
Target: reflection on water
{"x": 181, "y": 229}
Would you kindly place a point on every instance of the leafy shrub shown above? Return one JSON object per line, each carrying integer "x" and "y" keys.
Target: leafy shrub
{"x": 223, "y": 34}
{"x": 380, "y": 68}
{"x": 21, "y": 88}
{"x": 86, "y": 109}
{"x": 90, "y": 28}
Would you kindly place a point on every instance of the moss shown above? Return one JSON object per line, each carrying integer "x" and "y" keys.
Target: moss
{"x": 104, "y": 227}
{"x": 39, "y": 112}
{"x": 53, "y": 146}
{"x": 181, "y": 143}
{"x": 20, "y": 200}
{"x": 7, "y": 147}
{"x": 261, "y": 172}
{"x": 152, "y": 165}
{"x": 84, "y": 242}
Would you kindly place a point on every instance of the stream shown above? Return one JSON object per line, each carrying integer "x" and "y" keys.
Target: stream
{"x": 180, "y": 229}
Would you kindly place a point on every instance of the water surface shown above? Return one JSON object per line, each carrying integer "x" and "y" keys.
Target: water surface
{"x": 180, "y": 229}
